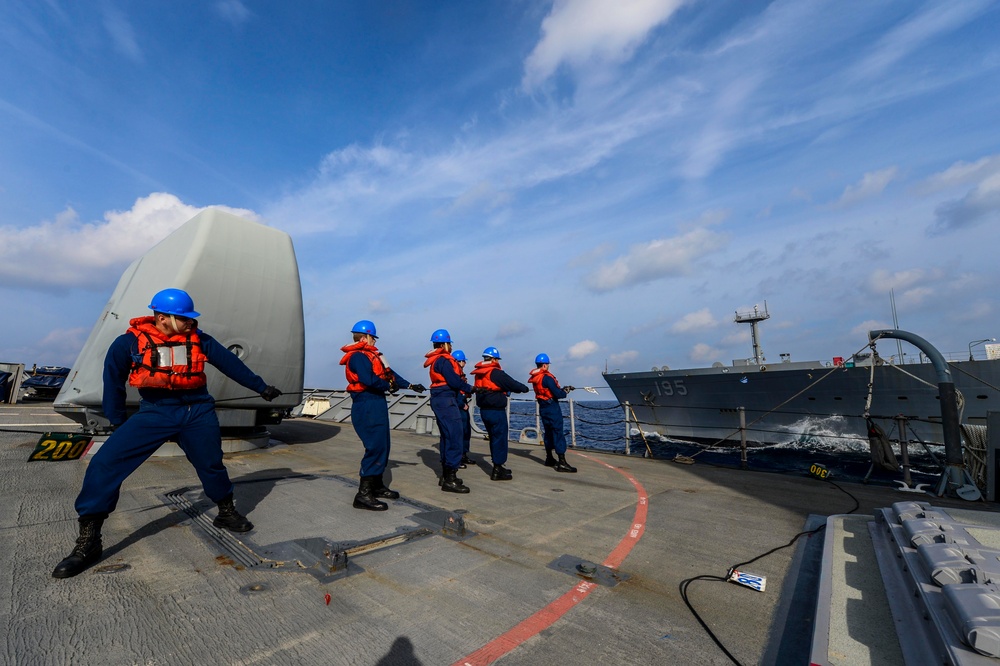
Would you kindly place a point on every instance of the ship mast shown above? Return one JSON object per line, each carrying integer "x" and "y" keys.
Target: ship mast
{"x": 753, "y": 318}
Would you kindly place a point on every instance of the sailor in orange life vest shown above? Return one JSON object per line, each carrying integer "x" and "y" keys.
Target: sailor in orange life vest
{"x": 492, "y": 387}
{"x": 164, "y": 356}
{"x": 548, "y": 393}
{"x": 369, "y": 379}
{"x": 463, "y": 406}
{"x": 447, "y": 387}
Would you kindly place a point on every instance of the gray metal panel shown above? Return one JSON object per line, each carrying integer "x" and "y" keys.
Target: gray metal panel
{"x": 975, "y": 610}
{"x": 243, "y": 277}
{"x": 949, "y": 563}
{"x": 948, "y": 624}
{"x": 16, "y": 371}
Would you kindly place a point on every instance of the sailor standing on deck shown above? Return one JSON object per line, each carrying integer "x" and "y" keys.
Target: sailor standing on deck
{"x": 164, "y": 356}
{"x": 492, "y": 387}
{"x": 463, "y": 405}
{"x": 447, "y": 387}
{"x": 369, "y": 379}
{"x": 548, "y": 393}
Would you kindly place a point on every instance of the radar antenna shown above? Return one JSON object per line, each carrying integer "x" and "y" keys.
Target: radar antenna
{"x": 753, "y": 318}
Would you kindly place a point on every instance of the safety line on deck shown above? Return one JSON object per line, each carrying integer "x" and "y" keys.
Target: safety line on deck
{"x": 547, "y": 616}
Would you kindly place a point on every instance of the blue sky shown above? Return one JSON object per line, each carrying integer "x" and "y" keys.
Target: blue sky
{"x": 606, "y": 182}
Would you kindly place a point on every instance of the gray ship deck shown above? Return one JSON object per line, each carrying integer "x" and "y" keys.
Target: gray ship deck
{"x": 169, "y": 591}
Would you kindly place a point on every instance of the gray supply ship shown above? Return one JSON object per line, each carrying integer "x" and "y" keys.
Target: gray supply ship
{"x": 792, "y": 400}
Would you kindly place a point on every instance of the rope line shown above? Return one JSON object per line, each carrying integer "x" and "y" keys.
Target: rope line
{"x": 586, "y": 406}
{"x": 597, "y": 423}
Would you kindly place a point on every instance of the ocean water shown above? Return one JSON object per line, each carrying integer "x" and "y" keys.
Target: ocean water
{"x": 600, "y": 425}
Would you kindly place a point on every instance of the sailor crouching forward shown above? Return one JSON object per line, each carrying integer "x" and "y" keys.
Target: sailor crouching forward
{"x": 164, "y": 356}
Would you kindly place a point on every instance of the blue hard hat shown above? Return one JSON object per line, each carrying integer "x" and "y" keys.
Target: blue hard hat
{"x": 366, "y": 327}
{"x": 441, "y": 335}
{"x": 542, "y": 358}
{"x": 174, "y": 302}
{"x": 491, "y": 352}
{"x": 458, "y": 355}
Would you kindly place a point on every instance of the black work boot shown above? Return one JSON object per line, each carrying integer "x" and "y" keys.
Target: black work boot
{"x": 441, "y": 478}
{"x": 383, "y": 491}
{"x": 365, "y": 499}
{"x": 501, "y": 473}
{"x": 452, "y": 484}
{"x": 88, "y": 549}
{"x": 466, "y": 461}
{"x": 230, "y": 518}
{"x": 550, "y": 460}
{"x": 563, "y": 466}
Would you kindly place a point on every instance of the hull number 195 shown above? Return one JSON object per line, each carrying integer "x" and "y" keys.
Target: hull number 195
{"x": 670, "y": 387}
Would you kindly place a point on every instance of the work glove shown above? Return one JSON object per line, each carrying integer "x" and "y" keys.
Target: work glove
{"x": 569, "y": 388}
{"x": 418, "y": 388}
{"x": 270, "y": 393}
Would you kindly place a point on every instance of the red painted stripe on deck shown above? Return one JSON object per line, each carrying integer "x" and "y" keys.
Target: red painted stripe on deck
{"x": 548, "y": 615}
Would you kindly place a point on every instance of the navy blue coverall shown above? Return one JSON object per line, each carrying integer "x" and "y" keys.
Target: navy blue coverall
{"x": 493, "y": 411}
{"x": 185, "y": 416}
{"x": 370, "y": 413}
{"x": 445, "y": 405}
{"x": 552, "y": 418}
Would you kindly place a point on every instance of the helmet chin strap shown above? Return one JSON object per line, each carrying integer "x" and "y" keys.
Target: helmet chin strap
{"x": 173, "y": 324}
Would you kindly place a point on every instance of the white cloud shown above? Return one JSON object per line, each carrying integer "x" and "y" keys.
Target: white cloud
{"x": 587, "y": 374}
{"x": 121, "y": 32}
{"x": 962, "y": 173}
{"x": 912, "y": 287}
{"x": 588, "y": 33}
{"x": 914, "y": 297}
{"x": 232, "y": 11}
{"x": 664, "y": 257}
{"x": 582, "y": 349}
{"x": 623, "y": 357}
{"x": 914, "y": 33}
{"x": 871, "y": 185}
{"x": 378, "y": 183}
{"x": 704, "y": 353}
{"x": 741, "y": 336}
{"x": 513, "y": 329}
{"x": 981, "y": 204}
{"x": 724, "y": 128}
{"x": 67, "y": 252}
{"x": 800, "y": 194}
{"x": 861, "y": 330}
{"x": 882, "y": 281}
{"x": 695, "y": 321}
{"x": 481, "y": 196}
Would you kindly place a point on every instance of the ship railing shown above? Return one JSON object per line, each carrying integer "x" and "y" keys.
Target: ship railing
{"x": 412, "y": 412}
{"x": 535, "y": 435}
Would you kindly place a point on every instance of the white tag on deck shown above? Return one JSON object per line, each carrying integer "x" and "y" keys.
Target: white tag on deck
{"x": 745, "y": 579}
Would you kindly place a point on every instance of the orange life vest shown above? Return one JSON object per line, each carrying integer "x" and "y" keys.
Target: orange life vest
{"x": 483, "y": 372}
{"x": 437, "y": 379}
{"x": 371, "y": 351}
{"x": 535, "y": 379}
{"x": 167, "y": 362}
